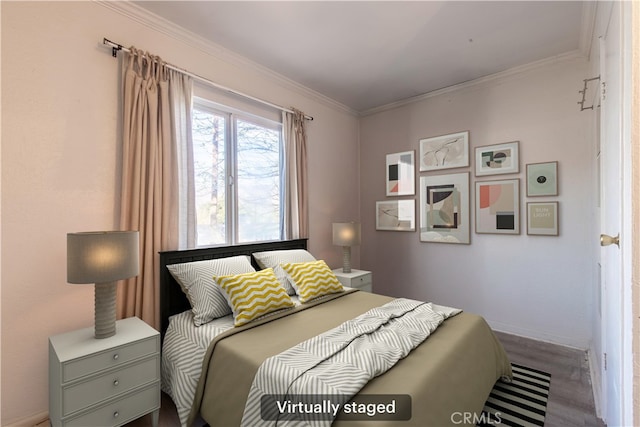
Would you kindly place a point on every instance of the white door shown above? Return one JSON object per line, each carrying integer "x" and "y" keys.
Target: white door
{"x": 614, "y": 214}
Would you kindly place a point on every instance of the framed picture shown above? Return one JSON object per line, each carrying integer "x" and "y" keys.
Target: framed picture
{"x": 542, "y": 218}
{"x": 444, "y": 208}
{"x": 401, "y": 179}
{"x": 497, "y": 159}
{"x": 542, "y": 179}
{"x": 444, "y": 152}
{"x": 498, "y": 206}
{"x": 396, "y": 215}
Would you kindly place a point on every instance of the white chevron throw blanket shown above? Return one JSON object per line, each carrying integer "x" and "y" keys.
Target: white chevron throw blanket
{"x": 339, "y": 362}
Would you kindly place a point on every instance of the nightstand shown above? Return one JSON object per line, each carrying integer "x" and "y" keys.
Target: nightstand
{"x": 104, "y": 382}
{"x": 359, "y": 279}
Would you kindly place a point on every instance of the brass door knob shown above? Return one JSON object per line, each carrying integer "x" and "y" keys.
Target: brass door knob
{"x": 606, "y": 240}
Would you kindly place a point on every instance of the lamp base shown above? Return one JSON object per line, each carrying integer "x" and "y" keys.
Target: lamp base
{"x": 346, "y": 259}
{"x": 105, "y": 310}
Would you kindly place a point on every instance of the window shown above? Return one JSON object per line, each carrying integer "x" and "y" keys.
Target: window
{"x": 237, "y": 175}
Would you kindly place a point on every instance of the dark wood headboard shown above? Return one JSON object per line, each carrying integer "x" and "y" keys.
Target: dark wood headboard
{"x": 174, "y": 301}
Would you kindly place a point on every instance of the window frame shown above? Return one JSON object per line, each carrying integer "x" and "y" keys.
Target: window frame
{"x": 231, "y": 116}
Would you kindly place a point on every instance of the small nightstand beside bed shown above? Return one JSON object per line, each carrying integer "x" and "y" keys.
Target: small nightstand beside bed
{"x": 210, "y": 369}
{"x": 104, "y": 382}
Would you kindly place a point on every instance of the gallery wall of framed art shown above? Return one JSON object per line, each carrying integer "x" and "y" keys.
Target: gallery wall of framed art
{"x": 444, "y": 200}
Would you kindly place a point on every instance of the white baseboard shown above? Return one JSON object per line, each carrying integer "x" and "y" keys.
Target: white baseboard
{"x": 538, "y": 336}
{"x": 596, "y": 381}
{"x": 38, "y": 420}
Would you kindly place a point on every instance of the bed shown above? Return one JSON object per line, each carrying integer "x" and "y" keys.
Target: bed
{"x": 449, "y": 374}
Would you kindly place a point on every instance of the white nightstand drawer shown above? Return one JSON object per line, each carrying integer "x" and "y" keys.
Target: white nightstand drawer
{"x": 121, "y": 411}
{"x": 107, "y": 359}
{"x": 361, "y": 281}
{"x": 87, "y": 393}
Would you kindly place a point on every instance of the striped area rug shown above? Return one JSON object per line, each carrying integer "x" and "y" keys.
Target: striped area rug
{"x": 523, "y": 402}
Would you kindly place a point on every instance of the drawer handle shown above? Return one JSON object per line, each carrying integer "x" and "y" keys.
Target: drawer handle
{"x": 116, "y": 414}
{"x": 116, "y": 383}
{"x": 116, "y": 356}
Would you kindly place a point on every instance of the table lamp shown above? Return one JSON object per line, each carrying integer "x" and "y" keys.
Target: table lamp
{"x": 346, "y": 234}
{"x": 103, "y": 258}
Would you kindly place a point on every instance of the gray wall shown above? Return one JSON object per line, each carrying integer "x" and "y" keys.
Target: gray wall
{"x": 536, "y": 286}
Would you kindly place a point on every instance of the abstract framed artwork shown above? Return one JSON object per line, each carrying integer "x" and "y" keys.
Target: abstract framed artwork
{"x": 497, "y": 159}
{"x": 498, "y": 206}
{"x": 444, "y": 208}
{"x": 542, "y": 218}
{"x": 401, "y": 179}
{"x": 542, "y": 179}
{"x": 444, "y": 152}
{"x": 396, "y": 215}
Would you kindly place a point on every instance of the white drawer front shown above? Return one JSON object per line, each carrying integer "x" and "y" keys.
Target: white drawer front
{"x": 93, "y": 363}
{"x": 123, "y": 410}
{"x": 87, "y": 393}
{"x": 362, "y": 281}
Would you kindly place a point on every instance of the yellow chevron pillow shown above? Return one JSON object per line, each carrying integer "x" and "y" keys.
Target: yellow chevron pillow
{"x": 251, "y": 295}
{"x": 312, "y": 279}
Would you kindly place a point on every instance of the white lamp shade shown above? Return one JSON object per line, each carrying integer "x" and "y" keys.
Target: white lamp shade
{"x": 346, "y": 233}
{"x": 102, "y": 256}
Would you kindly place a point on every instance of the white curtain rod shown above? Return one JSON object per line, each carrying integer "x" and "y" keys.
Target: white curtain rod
{"x": 115, "y": 47}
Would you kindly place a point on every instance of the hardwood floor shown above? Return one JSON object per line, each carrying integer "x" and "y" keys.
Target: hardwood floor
{"x": 570, "y": 403}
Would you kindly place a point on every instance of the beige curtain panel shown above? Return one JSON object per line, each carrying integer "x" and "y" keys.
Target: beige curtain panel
{"x": 296, "y": 203}
{"x": 157, "y": 174}
{"x": 149, "y": 196}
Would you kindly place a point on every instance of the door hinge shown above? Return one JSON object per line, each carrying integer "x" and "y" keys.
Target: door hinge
{"x": 605, "y": 361}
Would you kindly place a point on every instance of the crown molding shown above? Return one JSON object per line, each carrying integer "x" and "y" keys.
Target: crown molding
{"x": 511, "y": 72}
{"x": 164, "y": 26}
{"x": 587, "y": 27}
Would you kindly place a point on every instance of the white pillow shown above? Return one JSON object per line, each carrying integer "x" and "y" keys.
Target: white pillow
{"x": 196, "y": 280}
{"x": 273, "y": 259}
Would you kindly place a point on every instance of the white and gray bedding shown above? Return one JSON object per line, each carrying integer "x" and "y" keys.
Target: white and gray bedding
{"x": 183, "y": 351}
{"x": 339, "y": 362}
{"x": 185, "y": 345}
{"x": 450, "y": 372}
{"x": 209, "y": 366}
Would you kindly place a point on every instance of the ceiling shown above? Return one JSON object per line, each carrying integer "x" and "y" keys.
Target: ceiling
{"x": 368, "y": 54}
